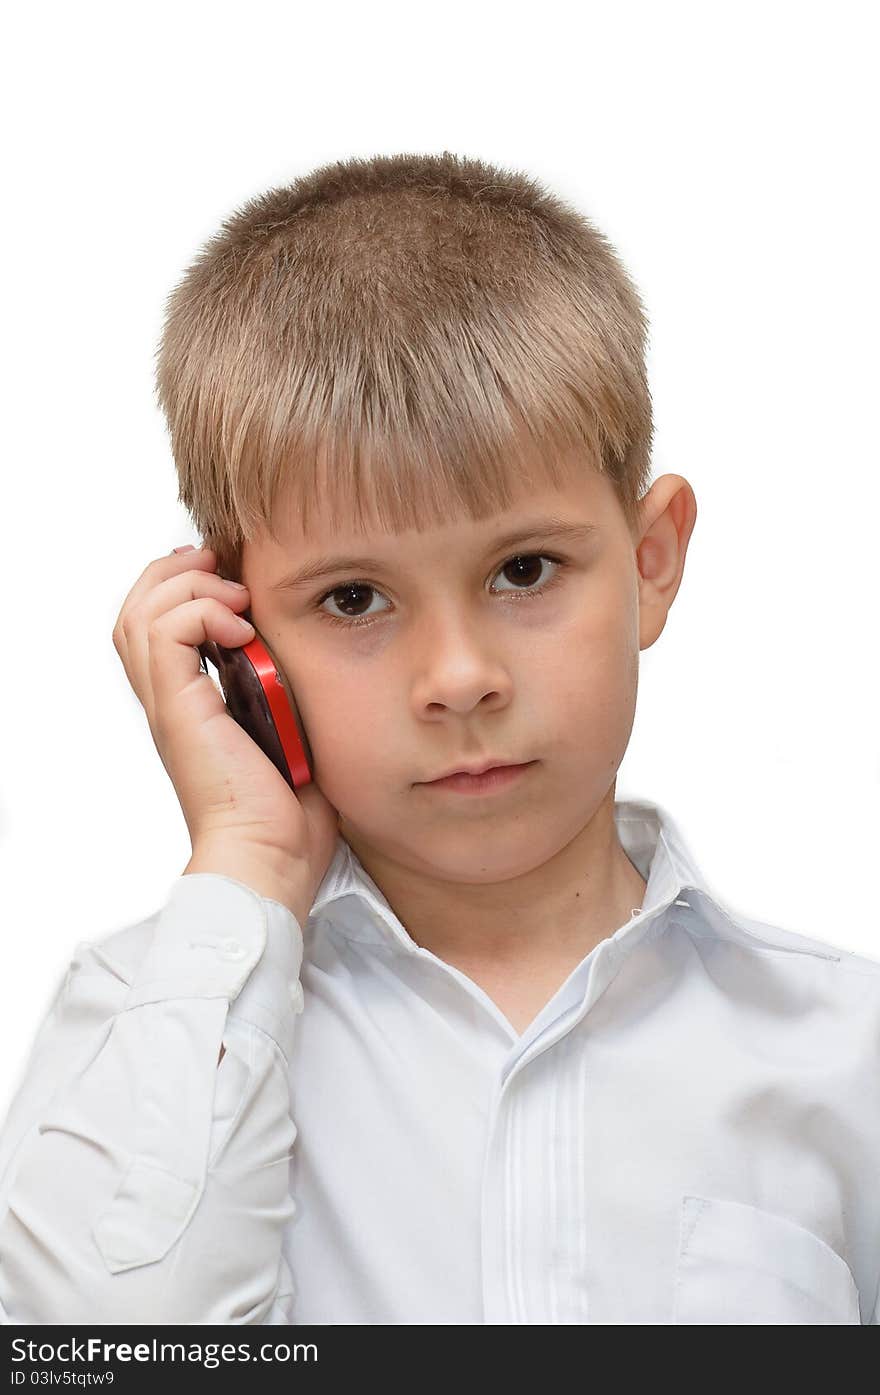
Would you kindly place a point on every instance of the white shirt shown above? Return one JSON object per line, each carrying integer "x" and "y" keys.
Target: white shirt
{"x": 689, "y": 1131}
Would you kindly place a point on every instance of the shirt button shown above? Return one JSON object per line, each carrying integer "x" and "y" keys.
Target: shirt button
{"x": 296, "y": 996}
{"x": 230, "y": 949}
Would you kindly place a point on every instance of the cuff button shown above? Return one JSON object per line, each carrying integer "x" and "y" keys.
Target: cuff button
{"x": 230, "y": 949}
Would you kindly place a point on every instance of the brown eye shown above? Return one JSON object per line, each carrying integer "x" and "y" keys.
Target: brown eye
{"x": 350, "y": 599}
{"x": 525, "y": 570}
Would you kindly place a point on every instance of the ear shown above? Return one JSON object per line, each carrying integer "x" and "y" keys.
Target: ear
{"x": 668, "y": 513}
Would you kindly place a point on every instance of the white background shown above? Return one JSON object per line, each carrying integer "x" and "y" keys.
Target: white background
{"x": 727, "y": 150}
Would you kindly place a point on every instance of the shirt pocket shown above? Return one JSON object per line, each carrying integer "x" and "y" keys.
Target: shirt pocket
{"x": 740, "y": 1264}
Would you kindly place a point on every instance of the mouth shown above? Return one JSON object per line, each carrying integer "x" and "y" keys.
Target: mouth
{"x": 485, "y": 781}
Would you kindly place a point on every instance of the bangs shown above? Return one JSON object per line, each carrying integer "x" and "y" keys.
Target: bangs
{"x": 409, "y": 481}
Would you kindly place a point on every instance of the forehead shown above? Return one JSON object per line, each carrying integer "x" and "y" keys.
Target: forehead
{"x": 577, "y": 491}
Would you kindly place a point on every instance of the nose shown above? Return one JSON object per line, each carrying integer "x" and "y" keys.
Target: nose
{"x": 457, "y": 667}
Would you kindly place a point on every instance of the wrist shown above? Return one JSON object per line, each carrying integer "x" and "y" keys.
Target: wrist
{"x": 285, "y": 882}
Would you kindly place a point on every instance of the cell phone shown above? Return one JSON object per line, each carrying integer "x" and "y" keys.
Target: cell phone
{"x": 259, "y": 697}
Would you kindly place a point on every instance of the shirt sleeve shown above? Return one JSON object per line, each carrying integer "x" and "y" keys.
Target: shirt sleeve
{"x": 140, "y": 1182}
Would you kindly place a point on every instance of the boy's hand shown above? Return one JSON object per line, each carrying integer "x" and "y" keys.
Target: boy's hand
{"x": 243, "y": 818}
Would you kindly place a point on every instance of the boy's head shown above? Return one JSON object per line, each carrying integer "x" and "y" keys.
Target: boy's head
{"x": 398, "y": 363}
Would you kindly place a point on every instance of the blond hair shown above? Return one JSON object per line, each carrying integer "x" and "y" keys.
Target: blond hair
{"x": 404, "y": 334}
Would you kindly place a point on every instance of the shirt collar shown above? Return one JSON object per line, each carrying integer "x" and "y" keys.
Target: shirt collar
{"x": 652, "y": 840}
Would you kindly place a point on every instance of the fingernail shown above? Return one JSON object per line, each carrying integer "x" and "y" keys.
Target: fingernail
{"x": 188, "y": 547}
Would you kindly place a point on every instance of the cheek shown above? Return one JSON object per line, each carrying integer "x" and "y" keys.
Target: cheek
{"x": 595, "y": 669}
{"x": 346, "y": 731}
{"x": 601, "y": 636}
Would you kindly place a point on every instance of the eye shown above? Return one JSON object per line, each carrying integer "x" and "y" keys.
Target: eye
{"x": 525, "y": 567}
{"x": 352, "y": 593}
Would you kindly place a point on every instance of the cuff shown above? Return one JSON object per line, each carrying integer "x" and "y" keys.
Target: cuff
{"x": 217, "y": 938}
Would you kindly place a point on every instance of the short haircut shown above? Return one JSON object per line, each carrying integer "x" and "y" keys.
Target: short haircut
{"x": 405, "y": 335}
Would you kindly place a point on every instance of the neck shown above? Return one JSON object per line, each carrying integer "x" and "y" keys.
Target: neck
{"x": 553, "y": 914}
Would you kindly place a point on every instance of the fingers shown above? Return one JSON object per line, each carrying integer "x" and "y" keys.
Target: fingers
{"x": 147, "y": 622}
{"x": 159, "y": 570}
{"x": 168, "y": 649}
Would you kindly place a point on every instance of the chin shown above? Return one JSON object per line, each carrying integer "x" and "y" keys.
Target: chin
{"x": 458, "y": 860}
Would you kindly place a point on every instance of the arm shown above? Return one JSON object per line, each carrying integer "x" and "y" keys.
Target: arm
{"x": 140, "y": 1180}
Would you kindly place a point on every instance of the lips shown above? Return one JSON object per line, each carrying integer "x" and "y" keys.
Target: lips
{"x": 474, "y": 769}
{"x": 490, "y": 782}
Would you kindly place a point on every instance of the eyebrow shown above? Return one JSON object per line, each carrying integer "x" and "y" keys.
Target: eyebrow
{"x": 538, "y": 527}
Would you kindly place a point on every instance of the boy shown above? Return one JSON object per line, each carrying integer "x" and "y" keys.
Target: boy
{"x": 399, "y": 1051}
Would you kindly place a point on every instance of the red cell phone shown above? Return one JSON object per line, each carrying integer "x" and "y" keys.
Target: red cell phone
{"x": 259, "y": 697}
